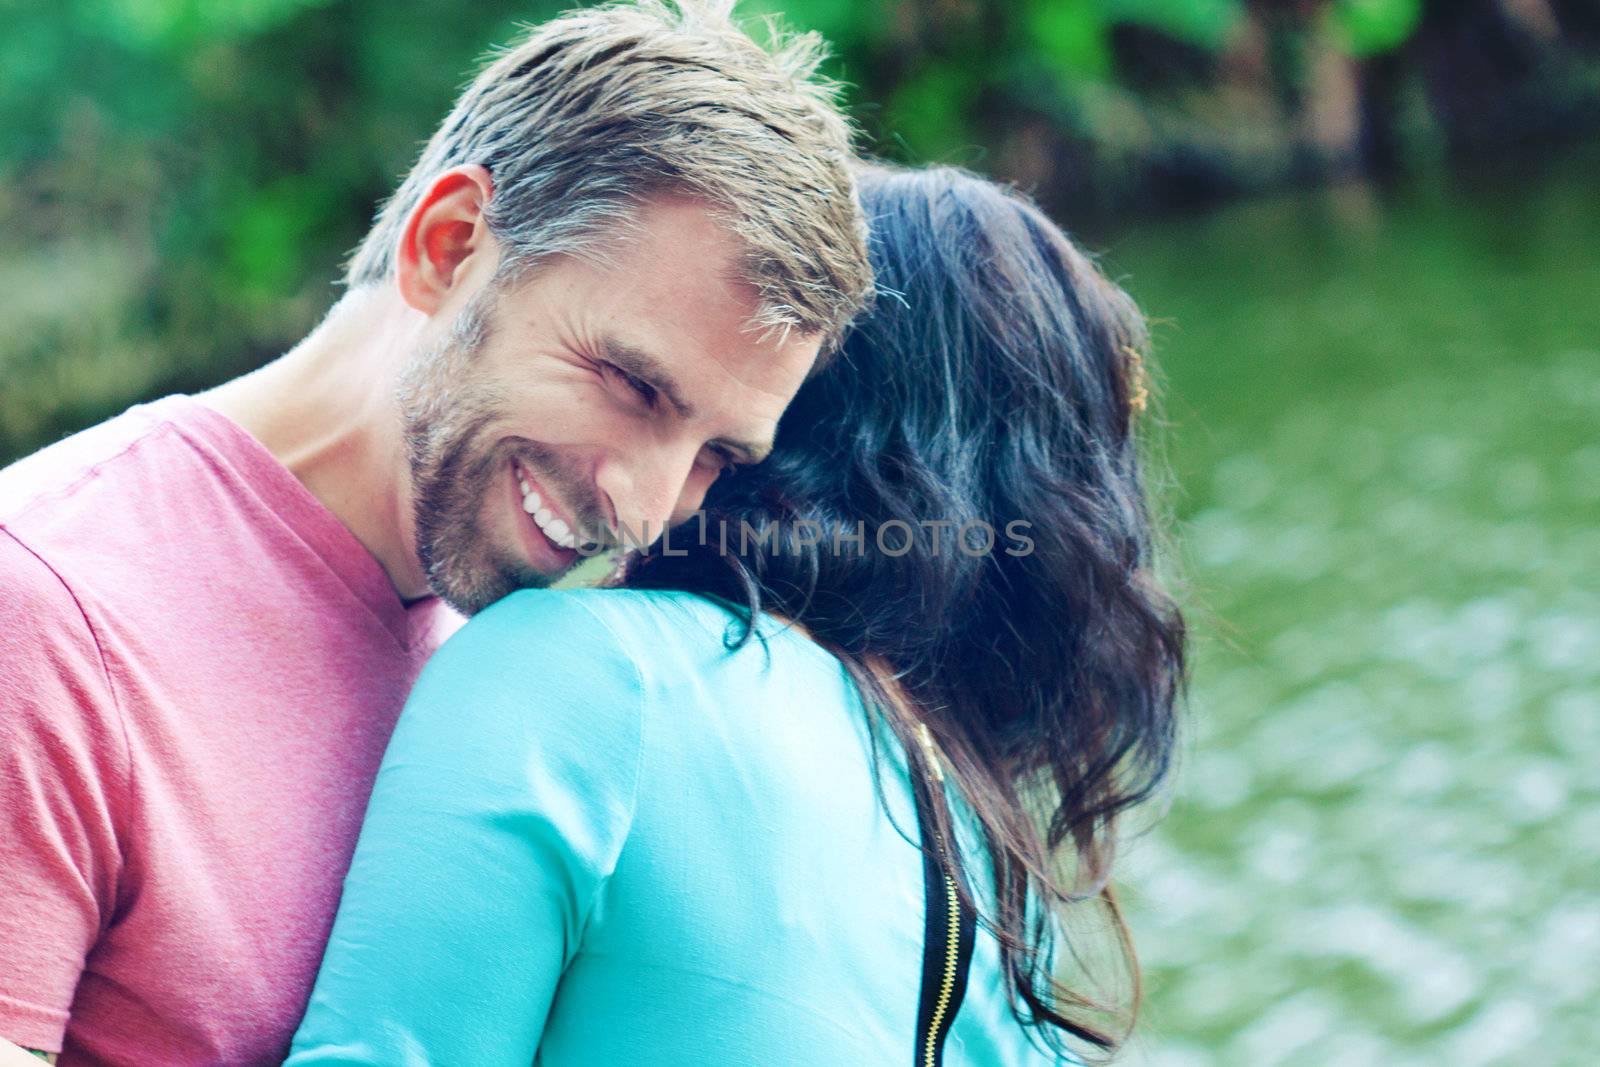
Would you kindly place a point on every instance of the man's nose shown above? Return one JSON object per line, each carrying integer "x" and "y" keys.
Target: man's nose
{"x": 649, "y": 485}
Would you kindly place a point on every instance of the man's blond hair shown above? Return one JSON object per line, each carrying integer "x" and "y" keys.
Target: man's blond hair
{"x": 590, "y": 114}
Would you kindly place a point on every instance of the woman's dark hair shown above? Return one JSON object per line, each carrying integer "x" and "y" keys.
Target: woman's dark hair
{"x": 995, "y": 385}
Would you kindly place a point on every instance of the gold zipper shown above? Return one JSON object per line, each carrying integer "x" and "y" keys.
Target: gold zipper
{"x": 952, "y": 953}
{"x": 952, "y": 941}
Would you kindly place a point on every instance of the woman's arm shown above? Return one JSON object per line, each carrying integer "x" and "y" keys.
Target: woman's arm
{"x": 500, "y": 809}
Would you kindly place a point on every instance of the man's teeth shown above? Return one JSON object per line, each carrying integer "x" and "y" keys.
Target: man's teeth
{"x": 555, "y": 529}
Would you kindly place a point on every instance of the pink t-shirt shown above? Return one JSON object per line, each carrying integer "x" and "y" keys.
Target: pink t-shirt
{"x": 199, "y": 669}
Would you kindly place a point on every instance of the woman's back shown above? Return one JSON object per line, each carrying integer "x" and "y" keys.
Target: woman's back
{"x": 637, "y": 848}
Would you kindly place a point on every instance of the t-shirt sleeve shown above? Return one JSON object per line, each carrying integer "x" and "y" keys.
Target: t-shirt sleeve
{"x": 63, "y": 772}
{"x": 501, "y": 807}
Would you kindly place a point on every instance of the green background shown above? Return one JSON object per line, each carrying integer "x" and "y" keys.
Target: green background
{"x": 1369, "y": 237}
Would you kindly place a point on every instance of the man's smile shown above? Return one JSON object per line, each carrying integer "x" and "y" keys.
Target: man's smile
{"x": 548, "y": 533}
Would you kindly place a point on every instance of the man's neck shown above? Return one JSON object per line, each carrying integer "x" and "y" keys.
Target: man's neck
{"x": 326, "y": 409}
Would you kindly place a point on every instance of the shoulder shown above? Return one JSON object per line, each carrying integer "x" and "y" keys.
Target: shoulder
{"x": 57, "y": 704}
{"x": 543, "y": 696}
{"x": 602, "y": 661}
{"x": 682, "y": 650}
{"x": 609, "y": 623}
{"x": 71, "y": 524}
{"x": 43, "y": 628}
{"x": 588, "y": 636}
{"x": 543, "y": 667}
{"x": 29, "y": 586}
{"x": 61, "y": 470}
{"x": 109, "y": 500}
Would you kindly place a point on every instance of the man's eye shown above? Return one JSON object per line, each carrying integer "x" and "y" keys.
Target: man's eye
{"x": 725, "y": 462}
{"x": 641, "y": 388}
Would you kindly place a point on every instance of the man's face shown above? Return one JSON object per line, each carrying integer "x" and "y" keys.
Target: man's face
{"x": 590, "y": 401}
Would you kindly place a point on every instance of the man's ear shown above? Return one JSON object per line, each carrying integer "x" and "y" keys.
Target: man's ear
{"x": 443, "y": 232}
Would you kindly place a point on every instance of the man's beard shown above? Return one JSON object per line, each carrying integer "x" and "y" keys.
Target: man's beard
{"x": 456, "y": 466}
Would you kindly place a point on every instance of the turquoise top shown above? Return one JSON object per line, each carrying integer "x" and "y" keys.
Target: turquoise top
{"x": 599, "y": 837}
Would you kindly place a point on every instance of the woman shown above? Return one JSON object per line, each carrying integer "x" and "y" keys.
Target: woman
{"x": 701, "y": 837}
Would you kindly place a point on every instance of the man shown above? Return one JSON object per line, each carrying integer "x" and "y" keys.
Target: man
{"x": 603, "y": 281}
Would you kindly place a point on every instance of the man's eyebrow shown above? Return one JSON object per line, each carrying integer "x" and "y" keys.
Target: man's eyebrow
{"x": 648, "y": 369}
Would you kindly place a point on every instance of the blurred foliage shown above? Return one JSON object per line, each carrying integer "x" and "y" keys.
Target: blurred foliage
{"x": 180, "y": 178}
{"x": 1368, "y": 27}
